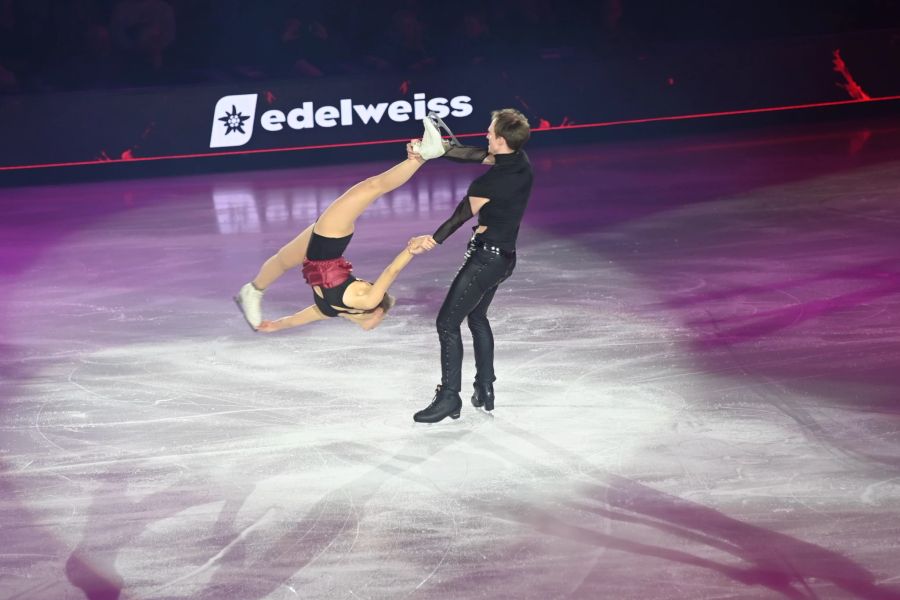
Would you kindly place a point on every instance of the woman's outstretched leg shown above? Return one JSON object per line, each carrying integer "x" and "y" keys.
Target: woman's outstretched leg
{"x": 339, "y": 218}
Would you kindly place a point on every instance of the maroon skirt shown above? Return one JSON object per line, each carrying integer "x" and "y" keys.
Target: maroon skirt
{"x": 327, "y": 273}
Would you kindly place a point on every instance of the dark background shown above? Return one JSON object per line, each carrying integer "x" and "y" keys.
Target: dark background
{"x": 107, "y": 81}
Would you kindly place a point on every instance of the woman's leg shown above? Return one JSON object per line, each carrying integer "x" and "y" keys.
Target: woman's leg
{"x": 249, "y": 297}
{"x": 338, "y": 219}
{"x": 290, "y": 255}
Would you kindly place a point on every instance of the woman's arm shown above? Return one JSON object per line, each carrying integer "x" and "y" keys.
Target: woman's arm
{"x": 373, "y": 296}
{"x": 307, "y": 315}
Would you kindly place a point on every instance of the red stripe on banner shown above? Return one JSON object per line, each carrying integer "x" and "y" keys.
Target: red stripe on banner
{"x": 398, "y": 140}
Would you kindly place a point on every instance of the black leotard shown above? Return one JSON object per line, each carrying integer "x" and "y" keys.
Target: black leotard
{"x": 324, "y": 257}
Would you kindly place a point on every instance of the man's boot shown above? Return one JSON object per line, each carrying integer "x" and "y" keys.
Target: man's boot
{"x": 483, "y": 396}
{"x": 446, "y": 403}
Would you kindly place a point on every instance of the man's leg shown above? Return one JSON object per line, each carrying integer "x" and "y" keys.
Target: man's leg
{"x": 464, "y": 295}
{"x": 483, "y": 338}
{"x": 483, "y": 342}
{"x": 479, "y": 273}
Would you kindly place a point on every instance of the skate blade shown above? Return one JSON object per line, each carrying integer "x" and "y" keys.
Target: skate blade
{"x": 453, "y": 416}
{"x": 441, "y": 125}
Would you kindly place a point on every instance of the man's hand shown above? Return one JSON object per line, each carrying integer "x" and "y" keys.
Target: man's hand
{"x": 414, "y": 247}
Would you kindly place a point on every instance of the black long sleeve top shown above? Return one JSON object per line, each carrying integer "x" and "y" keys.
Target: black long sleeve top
{"x": 507, "y": 184}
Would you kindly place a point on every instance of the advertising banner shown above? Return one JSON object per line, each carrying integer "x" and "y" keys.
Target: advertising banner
{"x": 56, "y": 129}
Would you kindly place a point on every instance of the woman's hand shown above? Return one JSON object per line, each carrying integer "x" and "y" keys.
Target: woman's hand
{"x": 411, "y": 153}
{"x": 268, "y": 326}
{"x": 414, "y": 247}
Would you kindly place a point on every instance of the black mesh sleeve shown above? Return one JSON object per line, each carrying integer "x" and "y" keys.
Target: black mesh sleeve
{"x": 466, "y": 154}
{"x": 462, "y": 214}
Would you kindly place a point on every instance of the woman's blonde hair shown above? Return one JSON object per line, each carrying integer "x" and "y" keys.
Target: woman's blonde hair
{"x": 387, "y": 303}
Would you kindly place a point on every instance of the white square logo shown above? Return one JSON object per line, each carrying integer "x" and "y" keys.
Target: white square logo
{"x": 233, "y": 121}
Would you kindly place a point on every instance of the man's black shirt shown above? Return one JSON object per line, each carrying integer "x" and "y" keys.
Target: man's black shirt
{"x": 507, "y": 184}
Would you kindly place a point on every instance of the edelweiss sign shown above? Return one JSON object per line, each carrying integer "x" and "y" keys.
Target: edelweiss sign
{"x": 233, "y": 117}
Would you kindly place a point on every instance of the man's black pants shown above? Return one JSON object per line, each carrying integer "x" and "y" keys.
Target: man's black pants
{"x": 470, "y": 295}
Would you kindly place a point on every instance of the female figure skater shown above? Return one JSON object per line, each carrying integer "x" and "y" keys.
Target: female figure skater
{"x": 320, "y": 248}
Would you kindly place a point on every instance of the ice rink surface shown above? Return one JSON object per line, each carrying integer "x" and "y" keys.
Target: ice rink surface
{"x": 698, "y": 392}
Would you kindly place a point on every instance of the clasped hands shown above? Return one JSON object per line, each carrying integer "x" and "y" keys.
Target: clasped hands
{"x": 420, "y": 244}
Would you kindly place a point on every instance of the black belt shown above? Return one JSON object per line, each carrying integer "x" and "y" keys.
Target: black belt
{"x": 492, "y": 249}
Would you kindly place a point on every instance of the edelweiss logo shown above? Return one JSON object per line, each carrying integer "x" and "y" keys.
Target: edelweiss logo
{"x": 234, "y": 115}
{"x": 233, "y": 121}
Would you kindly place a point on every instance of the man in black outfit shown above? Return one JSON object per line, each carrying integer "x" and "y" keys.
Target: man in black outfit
{"x": 499, "y": 198}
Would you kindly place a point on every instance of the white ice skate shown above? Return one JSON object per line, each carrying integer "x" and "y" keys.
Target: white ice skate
{"x": 249, "y": 300}
{"x": 431, "y": 145}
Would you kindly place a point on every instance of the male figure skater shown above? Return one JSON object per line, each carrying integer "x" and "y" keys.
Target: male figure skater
{"x": 499, "y": 198}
